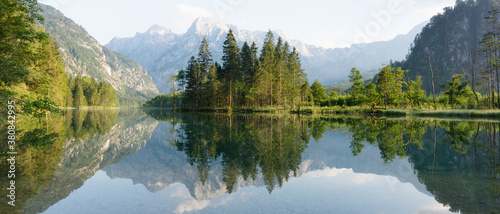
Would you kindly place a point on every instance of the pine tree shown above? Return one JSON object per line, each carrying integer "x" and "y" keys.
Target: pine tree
{"x": 205, "y": 57}
{"x": 212, "y": 87}
{"x": 279, "y": 70}
{"x": 231, "y": 65}
{"x": 78, "y": 97}
{"x": 266, "y": 69}
{"x": 297, "y": 76}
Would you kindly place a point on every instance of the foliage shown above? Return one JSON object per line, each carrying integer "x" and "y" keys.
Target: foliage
{"x": 455, "y": 90}
{"x": 318, "y": 92}
{"x": 275, "y": 78}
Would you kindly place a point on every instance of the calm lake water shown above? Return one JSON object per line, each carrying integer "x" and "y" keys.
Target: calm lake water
{"x": 127, "y": 161}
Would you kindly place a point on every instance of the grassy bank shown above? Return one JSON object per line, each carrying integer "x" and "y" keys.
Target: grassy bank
{"x": 448, "y": 113}
{"x": 443, "y": 113}
{"x": 89, "y": 108}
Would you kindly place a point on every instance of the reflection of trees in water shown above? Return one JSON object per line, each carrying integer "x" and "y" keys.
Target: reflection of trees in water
{"x": 243, "y": 144}
{"x": 39, "y": 147}
{"x": 458, "y": 161}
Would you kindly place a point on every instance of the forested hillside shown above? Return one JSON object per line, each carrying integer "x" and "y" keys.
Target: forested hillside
{"x": 452, "y": 44}
{"x": 83, "y": 55}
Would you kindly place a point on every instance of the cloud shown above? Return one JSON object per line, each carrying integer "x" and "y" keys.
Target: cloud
{"x": 188, "y": 14}
{"x": 360, "y": 179}
{"x": 328, "y": 172}
{"x": 189, "y": 11}
{"x": 191, "y": 205}
{"x": 434, "y": 208}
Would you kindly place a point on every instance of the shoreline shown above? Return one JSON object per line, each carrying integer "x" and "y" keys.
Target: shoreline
{"x": 362, "y": 111}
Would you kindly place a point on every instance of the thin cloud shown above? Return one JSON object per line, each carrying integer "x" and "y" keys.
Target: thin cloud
{"x": 189, "y": 14}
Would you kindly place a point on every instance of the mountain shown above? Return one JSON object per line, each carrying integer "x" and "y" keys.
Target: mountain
{"x": 449, "y": 40}
{"x": 163, "y": 52}
{"x": 83, "y": 54}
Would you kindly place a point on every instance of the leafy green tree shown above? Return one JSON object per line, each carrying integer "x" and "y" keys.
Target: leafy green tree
{"x": 385, "y": 84}
{"x": 455, "y": 89}
{"x": 18, "y": 33}
{"x": 357, "y": 87}
{"x": 318, "y": 92}
{"x": 370, "y": 93}
{"x": 414, "y": 92}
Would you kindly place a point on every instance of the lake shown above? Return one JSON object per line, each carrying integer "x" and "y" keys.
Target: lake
{"x": 129, "y": 161}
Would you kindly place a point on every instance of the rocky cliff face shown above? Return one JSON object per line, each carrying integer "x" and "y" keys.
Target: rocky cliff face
{"x": 83, "y": 55}
{"x": 164, "y": 53}
{"x": 451, "y": 39}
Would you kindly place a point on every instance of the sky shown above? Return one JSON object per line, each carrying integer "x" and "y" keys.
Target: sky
{"x": 324, "y": 23}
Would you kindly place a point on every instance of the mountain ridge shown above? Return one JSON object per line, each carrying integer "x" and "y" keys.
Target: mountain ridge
{"x": 163, "y": 55}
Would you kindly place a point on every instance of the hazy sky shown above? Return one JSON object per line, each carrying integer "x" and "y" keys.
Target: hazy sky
{"x": 326, "y": 23}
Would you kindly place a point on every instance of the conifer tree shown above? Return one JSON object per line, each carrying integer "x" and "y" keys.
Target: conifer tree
{"x": 266, "y": 69}
{"x": 230, "y": 65}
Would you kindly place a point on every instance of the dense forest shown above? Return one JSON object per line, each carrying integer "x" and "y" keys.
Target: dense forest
{"x": 31, "y": 66}
{"x": 275, "y": 78}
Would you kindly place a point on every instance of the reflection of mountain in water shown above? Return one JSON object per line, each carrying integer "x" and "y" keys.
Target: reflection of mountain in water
{"x": 453, "y": 161}
{"x": 159, "y": 165}
{"x": 82, "y": 158}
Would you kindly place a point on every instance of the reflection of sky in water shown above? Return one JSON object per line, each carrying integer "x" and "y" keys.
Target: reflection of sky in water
{"x": 324, "y": 191}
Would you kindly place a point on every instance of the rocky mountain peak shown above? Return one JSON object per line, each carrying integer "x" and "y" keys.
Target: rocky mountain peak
{"x": 207, "y": 26}
{"x": 158, "y": 29}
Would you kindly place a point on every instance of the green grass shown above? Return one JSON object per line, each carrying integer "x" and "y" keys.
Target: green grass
{"x": 441, "y": 113}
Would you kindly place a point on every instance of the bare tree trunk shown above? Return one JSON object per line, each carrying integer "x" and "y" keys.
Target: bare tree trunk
{"x": 433, "y": 87}
{"x": 473, "y": 69}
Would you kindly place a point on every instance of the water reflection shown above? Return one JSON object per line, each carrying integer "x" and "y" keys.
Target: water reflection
{"x": 210, "y": 159}
{"x": 457, "y": 161}
{"x": 56, "y": 156}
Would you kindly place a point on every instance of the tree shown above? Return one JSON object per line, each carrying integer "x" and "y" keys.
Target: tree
{"x": 212, "y": 87}
{"x": 297, "y": 75}
{"x": 204, "y": 57}
{"x": 230, "y": 64}
{"x": 357, "y": 87}
{"x": 78, "y": 96}
{"x": 455, "y": 89}
{"x": 318, "y": 92}
{"x": 414, "y": 92}
{"x": 385, "y": 83}
{"x": 18, "y": 33}
{"x": 266, "y": 69}
{"x": 370, "y": 92}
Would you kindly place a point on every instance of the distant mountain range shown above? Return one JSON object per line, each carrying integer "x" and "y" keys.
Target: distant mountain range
{"x": 163, "y": 52}
{"x": 82, "y": 54}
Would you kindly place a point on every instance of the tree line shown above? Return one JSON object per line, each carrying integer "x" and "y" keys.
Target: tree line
{"x": 274, "y": 78}
{"x": 86, "y": 91}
